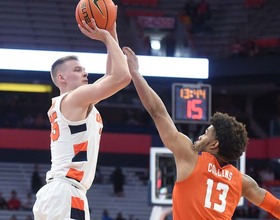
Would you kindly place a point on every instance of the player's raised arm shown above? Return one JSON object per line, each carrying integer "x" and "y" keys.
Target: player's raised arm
{"x": 178, "y": 143}
{"x": 117, "y": 74}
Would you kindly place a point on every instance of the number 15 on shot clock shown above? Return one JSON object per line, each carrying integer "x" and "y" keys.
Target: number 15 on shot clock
{"x": 191, "y": 103}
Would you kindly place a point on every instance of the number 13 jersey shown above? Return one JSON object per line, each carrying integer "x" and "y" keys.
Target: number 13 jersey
{"x": 210, "y": 192}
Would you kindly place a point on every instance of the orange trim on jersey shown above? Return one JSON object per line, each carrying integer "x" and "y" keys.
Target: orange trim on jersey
{"x": 77, "y": 203}
{"x": 80, "y": 147}
{"x": 53, "y": 117}
{"x": 99, "y": 118}
{"x": 75, "y": 174}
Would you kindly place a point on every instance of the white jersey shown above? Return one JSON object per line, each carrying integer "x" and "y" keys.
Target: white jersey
{"x": 74, "y": 146}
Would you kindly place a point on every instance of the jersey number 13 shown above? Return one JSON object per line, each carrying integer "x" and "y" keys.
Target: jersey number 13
{"x": 222, "y": 189}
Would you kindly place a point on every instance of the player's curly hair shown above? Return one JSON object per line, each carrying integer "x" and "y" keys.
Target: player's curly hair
{"x": 231, "y": 134}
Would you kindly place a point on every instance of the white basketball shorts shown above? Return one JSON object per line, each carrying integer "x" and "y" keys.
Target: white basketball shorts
{"x": 61, "y": 200}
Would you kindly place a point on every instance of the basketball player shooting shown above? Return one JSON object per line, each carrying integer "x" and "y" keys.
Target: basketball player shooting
{"x": 76, "y": 127}
{"x": 207, "y": 185}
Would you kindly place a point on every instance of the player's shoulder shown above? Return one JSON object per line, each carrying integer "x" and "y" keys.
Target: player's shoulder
{"x": 247, "y": 181}
{"x": 250, "y": 186}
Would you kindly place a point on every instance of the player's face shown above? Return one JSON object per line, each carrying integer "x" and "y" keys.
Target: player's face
{"x": 74, "y": 74}
{"x": 206, "y": 140}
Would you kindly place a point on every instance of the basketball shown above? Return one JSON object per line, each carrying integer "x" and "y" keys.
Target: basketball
{"x": 103, "y": 11}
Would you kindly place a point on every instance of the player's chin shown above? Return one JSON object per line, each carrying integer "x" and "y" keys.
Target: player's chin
{"x": 196, "y": 145}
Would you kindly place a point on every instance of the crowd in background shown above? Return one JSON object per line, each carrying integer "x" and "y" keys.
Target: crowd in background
{"x": 14, "y": 203}
{"x": 28, "y": 111}
{"x": 264, "y": 174}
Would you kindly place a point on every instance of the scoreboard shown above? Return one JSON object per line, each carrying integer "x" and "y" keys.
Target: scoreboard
{"x": 191, "y": 103}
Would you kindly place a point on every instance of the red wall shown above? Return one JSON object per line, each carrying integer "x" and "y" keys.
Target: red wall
{"x": 110, "y": 142}
{"x": 121, "y": 143}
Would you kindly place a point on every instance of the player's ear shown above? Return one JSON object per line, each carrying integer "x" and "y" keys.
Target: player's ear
{"x": 60, "y": 78}
{"x": 214, "y": 144}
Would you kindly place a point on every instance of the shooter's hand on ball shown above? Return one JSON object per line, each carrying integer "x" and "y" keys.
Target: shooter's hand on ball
{"x": 93, "y": 32}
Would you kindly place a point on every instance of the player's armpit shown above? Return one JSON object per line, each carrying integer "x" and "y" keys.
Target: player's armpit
{"x": 271, "y": 204}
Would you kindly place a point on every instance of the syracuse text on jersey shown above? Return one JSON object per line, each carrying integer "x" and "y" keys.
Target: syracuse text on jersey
{"x": 218, "y": 172}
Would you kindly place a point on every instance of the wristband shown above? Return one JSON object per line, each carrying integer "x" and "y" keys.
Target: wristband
{"x": 271, "y": 204}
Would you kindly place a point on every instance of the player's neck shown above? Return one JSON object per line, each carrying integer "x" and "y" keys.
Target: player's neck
{"x": 222, "y": 161}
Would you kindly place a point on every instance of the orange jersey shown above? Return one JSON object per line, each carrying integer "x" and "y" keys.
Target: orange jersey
{"x": 210, "y": 192}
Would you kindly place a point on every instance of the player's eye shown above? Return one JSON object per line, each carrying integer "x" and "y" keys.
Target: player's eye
{"x": 78, "y": 69}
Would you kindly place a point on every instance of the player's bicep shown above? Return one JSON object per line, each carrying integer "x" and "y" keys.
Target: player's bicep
{"x": 93, "y": 93}
{"x": 166, "y": 128}
{"x": 174, "y": 140}
{"x": 251, "y": 190}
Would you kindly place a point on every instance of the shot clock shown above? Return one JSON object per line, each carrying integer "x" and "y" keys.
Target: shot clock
{"x": 191, "y": 103}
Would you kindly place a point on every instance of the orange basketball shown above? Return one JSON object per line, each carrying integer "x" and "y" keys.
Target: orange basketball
{"x": 103, "y": 11}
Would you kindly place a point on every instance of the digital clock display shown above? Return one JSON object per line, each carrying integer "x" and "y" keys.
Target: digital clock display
{"x": 191, "y": 103}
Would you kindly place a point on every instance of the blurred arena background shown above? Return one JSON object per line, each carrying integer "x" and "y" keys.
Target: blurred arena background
{"x": 241, "y": 40}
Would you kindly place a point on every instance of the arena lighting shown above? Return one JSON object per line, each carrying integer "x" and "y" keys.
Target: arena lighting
{"x": 155, "y": 44}
{"x": 39, "y": 60}
{"x": 22, "y": 87}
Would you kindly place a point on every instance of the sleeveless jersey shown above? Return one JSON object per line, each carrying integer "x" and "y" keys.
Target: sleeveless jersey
{"x": 210, "y": 192}
{"x": 74, "y": 145}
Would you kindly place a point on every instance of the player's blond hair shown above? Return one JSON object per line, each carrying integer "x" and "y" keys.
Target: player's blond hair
{"x": 58, "y": 63}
